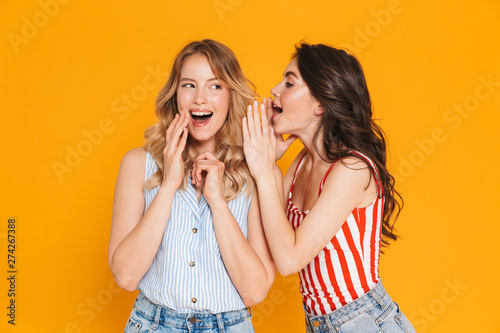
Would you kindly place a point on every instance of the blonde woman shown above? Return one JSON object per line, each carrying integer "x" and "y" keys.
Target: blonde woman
{"x": 186, "y": 225}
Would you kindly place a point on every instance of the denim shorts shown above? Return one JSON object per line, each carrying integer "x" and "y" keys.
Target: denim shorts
{"x": 374, "y": 312}
{"x": 147, "y": 316}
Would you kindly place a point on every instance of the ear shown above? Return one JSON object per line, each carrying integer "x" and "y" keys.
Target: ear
{"x": 319, "y": 110}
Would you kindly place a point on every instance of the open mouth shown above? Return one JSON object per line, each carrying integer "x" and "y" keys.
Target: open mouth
{"x": 276, "y": 110}
{"x": 201, "y": 116}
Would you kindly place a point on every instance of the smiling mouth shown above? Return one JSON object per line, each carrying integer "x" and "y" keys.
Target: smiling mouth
{"x": 201, "y": 116}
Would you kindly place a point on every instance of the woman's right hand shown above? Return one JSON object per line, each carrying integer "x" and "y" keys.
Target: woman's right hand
{"x": 259, "y": 142}
{"x": 175, "y": 142}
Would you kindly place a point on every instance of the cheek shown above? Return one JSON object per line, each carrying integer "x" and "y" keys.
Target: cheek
{"x": 183, "y": 99}
{"x": 296, "y": 100}
{"x": 221, "y": 102}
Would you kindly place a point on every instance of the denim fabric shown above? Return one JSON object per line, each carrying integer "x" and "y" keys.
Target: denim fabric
{"x": 374, "y": 312}
{"x": 149, "y": 317}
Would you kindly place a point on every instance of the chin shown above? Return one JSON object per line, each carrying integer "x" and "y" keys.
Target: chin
{"x": 278, "y": 130}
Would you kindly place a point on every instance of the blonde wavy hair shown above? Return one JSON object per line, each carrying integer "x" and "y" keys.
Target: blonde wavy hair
{"x": 229, "y": 139}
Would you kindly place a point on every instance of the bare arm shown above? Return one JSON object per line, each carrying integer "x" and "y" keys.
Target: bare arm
{"x": 344, "y": 190}
{"x": 135, "y": 238}
{"x": 292, "y": 250}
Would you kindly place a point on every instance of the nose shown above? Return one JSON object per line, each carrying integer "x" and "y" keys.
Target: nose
{"x": 200, "y": 97}
{"x": 274, "y": 91}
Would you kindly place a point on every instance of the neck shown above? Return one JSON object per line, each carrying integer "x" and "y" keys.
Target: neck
{"x": 198, "y": 148}
{"x": 314, "y": 151}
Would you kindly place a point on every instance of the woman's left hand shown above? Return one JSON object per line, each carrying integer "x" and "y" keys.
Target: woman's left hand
{"x": 208, "y": 172}
{"x": 259, "y": 141}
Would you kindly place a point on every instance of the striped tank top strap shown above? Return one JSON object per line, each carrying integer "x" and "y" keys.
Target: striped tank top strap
{"x": 372, "y": 165}
{"x": 324, "y": 178}
{"x": 374, "y": 170}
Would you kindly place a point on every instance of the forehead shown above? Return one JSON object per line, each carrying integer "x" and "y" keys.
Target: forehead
{"x": 292, "y": 69}
{"x": 196, "y": 65}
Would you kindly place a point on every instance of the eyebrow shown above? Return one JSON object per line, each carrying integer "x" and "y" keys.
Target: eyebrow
{"x": 290, "y": 73}
{"x": 189, "y": 79}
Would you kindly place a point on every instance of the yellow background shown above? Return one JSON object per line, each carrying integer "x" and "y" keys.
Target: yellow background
{"x": 67, "y": 71}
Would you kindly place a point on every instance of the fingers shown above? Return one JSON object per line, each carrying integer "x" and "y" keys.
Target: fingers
{"x": 246, "y": 135}
{"x": 205, "y": 162}
{"x": 176, "y": 132}
{"x": 263, "y": 117}
{"x": 206, "y": 156}
{"x": 250, "y": 122}
{"x": 182, "y": 142}
{"x": 172, "y": 125}
{"x": 196, "y": 173}
{"x": 253, "y": 126}
{"x": 207, "y": 168}
{"x": 256, "y": 120}
{"x": 269, "y": 109}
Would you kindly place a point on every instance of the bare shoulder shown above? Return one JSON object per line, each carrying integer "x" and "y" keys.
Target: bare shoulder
{"x": 352, "y": 176}
{"x": 355, "y": 163}
{"x": 135, "y": 156}
{"x": 133, "y": 165}
{"x": 134, "y": 159}
{"x": 352, "y": 168}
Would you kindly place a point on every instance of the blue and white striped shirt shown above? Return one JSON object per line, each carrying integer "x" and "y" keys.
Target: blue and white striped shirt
{"x": 187, "y": 274}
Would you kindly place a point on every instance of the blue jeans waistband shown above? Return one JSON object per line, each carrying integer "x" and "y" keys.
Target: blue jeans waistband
{"x": 158, "y": 313}
{"x": 376, "y": 296}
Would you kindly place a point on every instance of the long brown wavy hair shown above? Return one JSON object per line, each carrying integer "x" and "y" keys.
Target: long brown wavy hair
{"x": 336, "y": 80}
{"x": 229, "y": 139}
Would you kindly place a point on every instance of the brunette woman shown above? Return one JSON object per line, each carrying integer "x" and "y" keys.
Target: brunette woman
{"x": 340, "y": 199}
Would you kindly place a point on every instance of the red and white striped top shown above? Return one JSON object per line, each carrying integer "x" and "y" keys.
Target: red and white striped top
{"x": 348, "y": 265}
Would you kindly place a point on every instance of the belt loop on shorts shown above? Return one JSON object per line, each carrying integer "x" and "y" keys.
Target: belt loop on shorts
{"x": 378, "y": 293}
{"x": 157, "y": 318}
{"x": 220, "y": 322}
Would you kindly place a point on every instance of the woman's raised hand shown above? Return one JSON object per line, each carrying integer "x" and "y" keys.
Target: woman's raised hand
{"x": 208, "y": 172}
{"x": 176, "y": 137}
{"x": 259, "y": 141}
{"x": 281, "y": 145}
